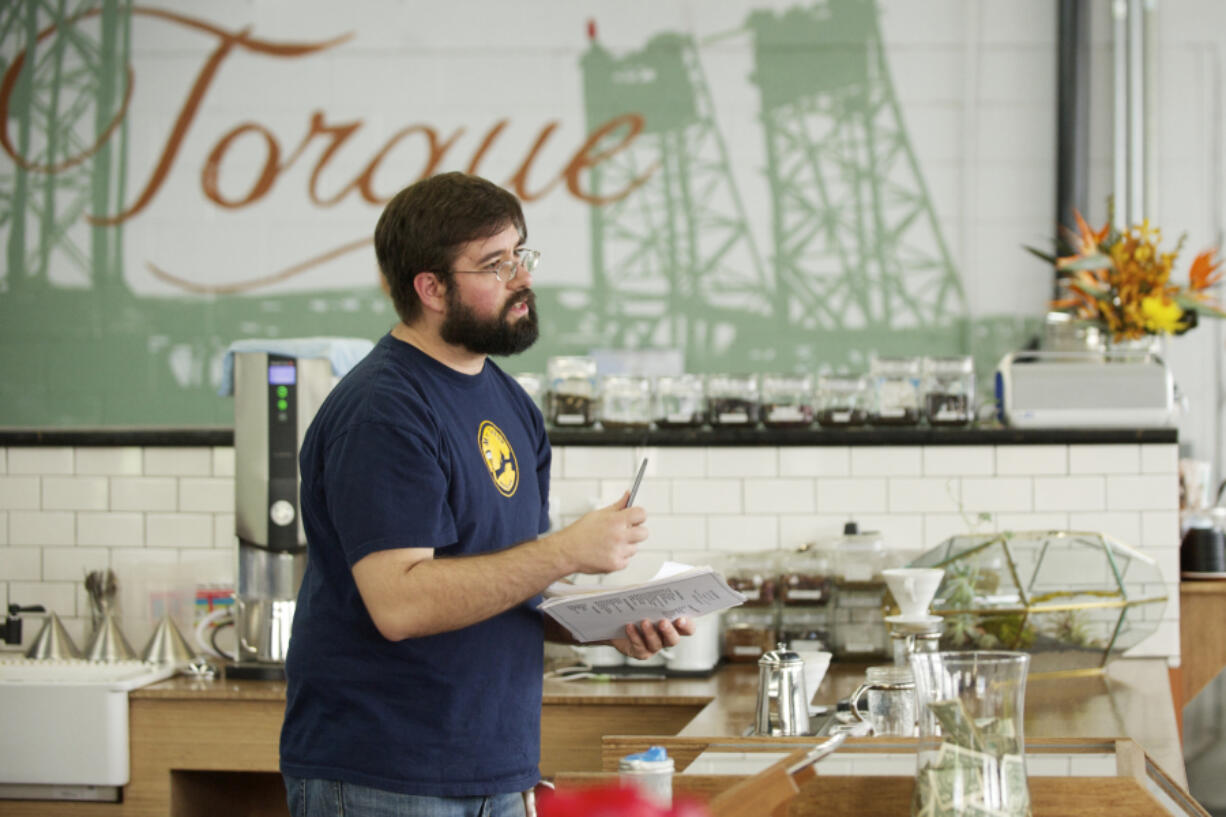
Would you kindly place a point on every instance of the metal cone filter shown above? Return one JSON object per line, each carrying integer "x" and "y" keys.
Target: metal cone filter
{"x": 167, "y": 645}
{"x": 108, "y": 643}
{"x": 53, "y": 641}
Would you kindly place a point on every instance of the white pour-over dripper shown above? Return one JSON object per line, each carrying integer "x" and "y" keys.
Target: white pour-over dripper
{"x": 913, "y": 588}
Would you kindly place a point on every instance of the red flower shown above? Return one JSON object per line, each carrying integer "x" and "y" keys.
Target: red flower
{"x": 610, "y": 801}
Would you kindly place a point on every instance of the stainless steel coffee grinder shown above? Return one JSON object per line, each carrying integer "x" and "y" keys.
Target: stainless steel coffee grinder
{"x": 275, "y": 399}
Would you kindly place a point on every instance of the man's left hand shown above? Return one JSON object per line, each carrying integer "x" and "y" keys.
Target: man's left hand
{"x": 646, "y": 638}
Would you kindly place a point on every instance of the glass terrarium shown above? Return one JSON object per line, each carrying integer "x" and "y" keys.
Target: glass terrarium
{"x": 1073, "y": 600}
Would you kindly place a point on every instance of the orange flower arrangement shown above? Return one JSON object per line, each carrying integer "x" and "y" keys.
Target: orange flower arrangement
{"x": 1122, "y": 280}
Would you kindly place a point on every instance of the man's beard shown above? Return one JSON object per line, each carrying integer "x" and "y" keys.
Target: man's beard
{"x": 494, "y": 336}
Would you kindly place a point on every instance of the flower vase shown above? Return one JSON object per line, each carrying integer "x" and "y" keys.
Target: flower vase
{"x": 1133, "y": 350}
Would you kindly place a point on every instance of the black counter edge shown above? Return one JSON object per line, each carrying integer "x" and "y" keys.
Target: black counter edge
{"x": 224, "y": 436}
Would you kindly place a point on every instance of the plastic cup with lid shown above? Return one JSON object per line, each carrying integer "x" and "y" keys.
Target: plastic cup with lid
{"x": 651, "y": 772}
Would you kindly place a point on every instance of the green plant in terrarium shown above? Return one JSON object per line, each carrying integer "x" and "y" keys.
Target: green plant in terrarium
{"x": 1071, "y": 627}
{"x": 965, "y": 584}
{"x": 1013, "y": 630}
{"x": 961, "y": 629}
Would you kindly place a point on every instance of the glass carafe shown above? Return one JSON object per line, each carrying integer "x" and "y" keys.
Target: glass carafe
{"x": 970, "y": 757}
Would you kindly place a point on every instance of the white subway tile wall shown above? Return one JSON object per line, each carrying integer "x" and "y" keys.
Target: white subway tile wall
{"x": 139, "y": 511}
{"x": 64, "y": 511}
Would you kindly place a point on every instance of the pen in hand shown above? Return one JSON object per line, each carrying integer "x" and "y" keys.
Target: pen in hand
{"x": 638, "y": 478}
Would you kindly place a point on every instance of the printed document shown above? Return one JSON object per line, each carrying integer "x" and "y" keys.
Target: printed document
{"x": 597, "y": 613}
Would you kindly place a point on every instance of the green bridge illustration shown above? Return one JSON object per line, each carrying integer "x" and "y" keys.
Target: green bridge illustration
{"x": 856, "y": 261}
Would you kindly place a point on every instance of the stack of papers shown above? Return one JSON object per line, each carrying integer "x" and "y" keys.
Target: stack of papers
{"x": 601, "y": 613}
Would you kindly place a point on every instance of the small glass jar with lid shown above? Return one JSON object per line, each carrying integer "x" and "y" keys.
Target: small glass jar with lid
{"x": 572, "y": 391}
{"x": 896, "y": 391}
{"x": 949, "y": 390}
{"x": 787, "y": 400}
{"x": 858, "y": 558}
{"x": 625, "y": 401}
{"x": 534, "y": 384}
{"x": 805, "y": 628}
{"x": 732, "y": 400}
{"x": 679, "y": 401}
{"x": 806, "y": 577}
{"x": 843, "y": 400}
{"x": 755, "y": 575}
{"x": 748, "y": 633}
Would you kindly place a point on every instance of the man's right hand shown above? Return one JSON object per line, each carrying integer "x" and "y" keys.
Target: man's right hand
{"x": 603, "y": 540}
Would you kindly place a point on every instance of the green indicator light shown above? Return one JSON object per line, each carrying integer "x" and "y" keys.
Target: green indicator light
{"x": 282, "y": 391}
{"x": 282, "y": 405}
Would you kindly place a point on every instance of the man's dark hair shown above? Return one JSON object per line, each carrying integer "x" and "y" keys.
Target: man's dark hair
{"x": 424, "y": 225}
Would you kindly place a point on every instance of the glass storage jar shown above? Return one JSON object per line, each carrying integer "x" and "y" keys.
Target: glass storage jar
{"x": 896, "y": 391}
{"x": 858, "y": 558}
{"x": 857, "y": 628}
{"x": 843, "y": 400}
{"x": 732, "y": 400}
{"x": 754, "y": 575}
{"x": 805, "y": 577}
{"x": 748, "y": 633}
{"x": 679, "y": 401}
{"x": 572, "y": 391}
{"x": 805, "y": 628}
{"x": 949, "y": 390}
{"x": 787, "y": 400}
{"x": 534, "y": 384}
{"x": 625, "y": 401}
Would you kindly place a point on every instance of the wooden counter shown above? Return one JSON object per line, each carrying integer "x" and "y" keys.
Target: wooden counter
{"x": 1202, "y": 638}
{"x": 211, "y": 747}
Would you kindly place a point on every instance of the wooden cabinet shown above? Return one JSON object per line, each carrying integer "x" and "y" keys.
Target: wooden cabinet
{"x": 1202, "y": 635}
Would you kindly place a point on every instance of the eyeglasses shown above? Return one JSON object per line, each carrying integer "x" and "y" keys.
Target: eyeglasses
{"x": 506, "y": 270}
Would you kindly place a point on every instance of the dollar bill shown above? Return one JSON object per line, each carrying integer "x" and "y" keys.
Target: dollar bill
{"x": 966, "y": 782}
{"x": 956, "y": 725}
{"x": 1013, "y": 773}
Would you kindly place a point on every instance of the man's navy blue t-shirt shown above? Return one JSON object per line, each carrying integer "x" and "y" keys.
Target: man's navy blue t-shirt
{"x": 409, "y": 453}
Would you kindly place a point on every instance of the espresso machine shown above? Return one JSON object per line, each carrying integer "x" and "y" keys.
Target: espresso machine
{"x": 275, "y": 398}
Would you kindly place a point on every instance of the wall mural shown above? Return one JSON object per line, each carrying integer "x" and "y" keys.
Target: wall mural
{"x": 853, "y": 261}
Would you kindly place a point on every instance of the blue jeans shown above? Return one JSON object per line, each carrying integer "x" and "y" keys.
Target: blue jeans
{"x": 333, "y": 798}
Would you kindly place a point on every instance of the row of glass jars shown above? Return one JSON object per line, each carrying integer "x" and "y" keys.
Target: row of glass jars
{"x": 897, "y": 391}
{"x": 852, "y": 627}
{"x": 829, "y": 595}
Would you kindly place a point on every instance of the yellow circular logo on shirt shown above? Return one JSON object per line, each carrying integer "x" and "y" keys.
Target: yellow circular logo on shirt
{"x": 499, "y": 458}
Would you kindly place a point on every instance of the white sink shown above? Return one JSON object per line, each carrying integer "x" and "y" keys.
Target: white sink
{"x": 65, "y": 725}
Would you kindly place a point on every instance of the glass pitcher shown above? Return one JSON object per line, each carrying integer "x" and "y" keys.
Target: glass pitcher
{"x": 971, "y": 757}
